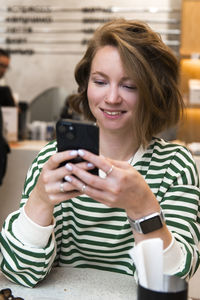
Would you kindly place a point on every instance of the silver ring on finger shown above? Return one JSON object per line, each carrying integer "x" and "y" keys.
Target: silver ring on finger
{"x": 83, "y": 188}
{"x": 62, "y": 187}
{"x": 110, "y": 170}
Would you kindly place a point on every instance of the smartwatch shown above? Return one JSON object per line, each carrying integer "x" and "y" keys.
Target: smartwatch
{"x": 148, "y": 223}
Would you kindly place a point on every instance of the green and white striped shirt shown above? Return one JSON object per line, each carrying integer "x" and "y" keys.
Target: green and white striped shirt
{"x": 89, "y": 234}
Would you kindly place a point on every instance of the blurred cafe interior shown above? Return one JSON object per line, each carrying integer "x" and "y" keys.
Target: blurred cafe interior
{"x": 46, "y": 39}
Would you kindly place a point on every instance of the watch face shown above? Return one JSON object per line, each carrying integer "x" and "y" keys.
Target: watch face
{"x": 151, "y": 224}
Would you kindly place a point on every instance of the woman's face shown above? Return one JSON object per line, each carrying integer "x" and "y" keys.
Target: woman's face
{"x": 112, "y": 95}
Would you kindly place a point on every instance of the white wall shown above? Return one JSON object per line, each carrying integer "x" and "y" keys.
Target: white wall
{"x": 31, "y": 74}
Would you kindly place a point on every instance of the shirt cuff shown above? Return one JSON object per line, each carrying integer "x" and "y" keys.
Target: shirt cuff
{"x": 173, "y": 258}
{"x": 30, "y": 233}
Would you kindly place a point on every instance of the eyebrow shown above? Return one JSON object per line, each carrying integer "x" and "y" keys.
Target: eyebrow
{"x": 99, "y": 73}
{"x": 104, "y": 75}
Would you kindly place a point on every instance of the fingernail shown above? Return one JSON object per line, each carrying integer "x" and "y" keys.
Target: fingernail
{"x": 81, "y": 152}
{"x": 73, "y": 152}
{"x": 68, "y": 167}
{"x": 68, "y": 178}
{"x": 90, "y": 165}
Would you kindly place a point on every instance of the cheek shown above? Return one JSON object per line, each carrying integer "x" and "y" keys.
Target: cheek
{"x": 89, "y": 92}
{"x": 93, "y": 95}
{"x": 132, "y": 101}
{"x": 91, "y": 98}
{"x": 135, "y": 101}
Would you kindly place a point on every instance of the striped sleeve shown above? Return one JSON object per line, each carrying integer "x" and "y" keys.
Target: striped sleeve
{"x": 179, "y": 195}
{"x": 19, "y": 262}
{"x": 171, "y": 173}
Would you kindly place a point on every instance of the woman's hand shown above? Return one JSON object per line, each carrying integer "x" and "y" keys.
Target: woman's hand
{"x": 51, "y": 189}
{"x": 123, "y": 187}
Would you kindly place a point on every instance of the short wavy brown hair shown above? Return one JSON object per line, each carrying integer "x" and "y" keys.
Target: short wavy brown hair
{"x": 149, "y": 63}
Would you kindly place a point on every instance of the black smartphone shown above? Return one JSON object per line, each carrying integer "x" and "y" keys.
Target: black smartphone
{"x": 74, "y": 135}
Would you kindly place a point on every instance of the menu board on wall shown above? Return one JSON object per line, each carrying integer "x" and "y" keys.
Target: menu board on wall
{"x": 66, "y": 30}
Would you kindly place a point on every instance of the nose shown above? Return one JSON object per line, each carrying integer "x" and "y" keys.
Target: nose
{"x": 113, "y": 96}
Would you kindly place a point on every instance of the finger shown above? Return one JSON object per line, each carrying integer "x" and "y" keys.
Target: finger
{"x": 59, "y": 157}
{"x": 55, "y": 175}
{"x": 103, "y": 197}
{"x": 61, "y": 191}
{"x": 119, "y": 164}
{"x": 59, "y": 187}
{"x": 83, "y": 165}
{"x": 57, "y": 198}
{"x": 83, "y": 177}
{"x": 99, "y": 161}
{"x": 59, "y": 173}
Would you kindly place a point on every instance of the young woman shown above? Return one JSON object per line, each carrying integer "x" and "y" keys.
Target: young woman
{"x": 127, "y": 84}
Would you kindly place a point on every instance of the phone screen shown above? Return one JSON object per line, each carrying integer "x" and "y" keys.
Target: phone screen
{"x": 74, "y": 135}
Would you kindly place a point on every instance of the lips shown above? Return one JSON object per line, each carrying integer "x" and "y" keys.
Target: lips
{"x": 112, "y": 112}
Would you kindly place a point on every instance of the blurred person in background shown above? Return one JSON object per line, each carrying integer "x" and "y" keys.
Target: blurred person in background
{"x": 4, "y": 150}
{"x": 6, "y": 95}
{"x": 67, "y": 112}
{"x": 6, "y": 99}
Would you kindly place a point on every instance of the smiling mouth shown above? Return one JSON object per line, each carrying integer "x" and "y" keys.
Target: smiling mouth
{"x": 113, "y": 113}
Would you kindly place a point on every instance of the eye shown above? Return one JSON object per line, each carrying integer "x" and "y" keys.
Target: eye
{"x": 129, "y": 86}
{"x": 99, "y": 81}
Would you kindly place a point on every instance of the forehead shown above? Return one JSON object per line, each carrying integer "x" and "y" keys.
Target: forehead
{"x": 107, "y": 60}
{"x": 107, "y": 57}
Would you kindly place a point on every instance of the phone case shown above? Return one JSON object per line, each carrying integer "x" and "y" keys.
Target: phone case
{"x": 74, "y": 135}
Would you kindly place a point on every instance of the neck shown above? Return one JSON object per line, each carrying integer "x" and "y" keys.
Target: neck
{"x": 118, "y": 147}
